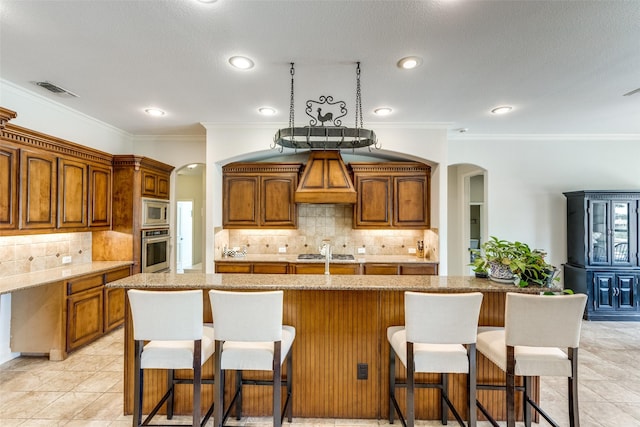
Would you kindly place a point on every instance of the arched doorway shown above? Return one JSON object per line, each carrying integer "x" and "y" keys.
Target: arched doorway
{"x": 190, "y": 201}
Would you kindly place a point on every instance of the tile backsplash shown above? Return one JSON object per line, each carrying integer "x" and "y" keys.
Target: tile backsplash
{"x": 30, "y": 253}
{"x": 317, "y": 222}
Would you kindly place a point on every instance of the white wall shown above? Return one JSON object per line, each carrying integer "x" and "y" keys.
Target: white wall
{"x": 526, "y": 176}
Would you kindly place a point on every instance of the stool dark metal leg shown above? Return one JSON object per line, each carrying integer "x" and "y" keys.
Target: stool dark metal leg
{"x": 444, "y": 408}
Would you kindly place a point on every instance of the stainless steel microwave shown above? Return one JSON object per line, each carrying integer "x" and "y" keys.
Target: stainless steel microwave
{"x": 155, "y": 213}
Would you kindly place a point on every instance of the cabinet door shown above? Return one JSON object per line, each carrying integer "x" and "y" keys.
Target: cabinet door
{"x": 233, "y": 267}
{"x": 99, "y": 196}
{"x": 8, "y": 187}
{"x": 84, "y": 317}
{"x": 163, "y": 186}
{"x": 149, "y": 183}
{"x": 410, "y": 202}
{"x": 277, "y": 205}
{"x": 319, "y": 268}
{"x": 604, "y": 291}
{"x": 271, "y": 268}
{"x": 419, "y": 269}
{"x": 114, "y": 305}
{"x": 599, "y": 220}
{"x": 373, "y": 205}
{"x": 240, "y": 201}
{"x": 384, "y": 269}
{"x": 625, "y": 292}
{"x": 623, "y": 225}
{"x": 37, "y": 190}
{"x": 72, "y": 194}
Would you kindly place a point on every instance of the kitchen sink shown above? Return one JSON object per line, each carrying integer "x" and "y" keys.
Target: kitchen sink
{"x": 335, "y": 257}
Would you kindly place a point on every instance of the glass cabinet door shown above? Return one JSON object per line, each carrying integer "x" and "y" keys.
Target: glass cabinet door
{"x": 621, "y": 232}
{"x": 599, "y": 246}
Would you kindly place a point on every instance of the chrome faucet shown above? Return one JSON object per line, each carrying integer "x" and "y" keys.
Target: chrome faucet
{"x": 325, "y": 250}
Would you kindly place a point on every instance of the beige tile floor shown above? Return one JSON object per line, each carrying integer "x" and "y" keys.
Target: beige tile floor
{"x": 86, "y": 388}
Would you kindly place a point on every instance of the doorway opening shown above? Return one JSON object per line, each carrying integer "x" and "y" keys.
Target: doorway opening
{"x": 185, "y": 235}
{"x": 189, "y": 236}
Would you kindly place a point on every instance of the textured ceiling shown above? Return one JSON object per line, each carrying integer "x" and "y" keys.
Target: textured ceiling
{"x": 563, "y": 65}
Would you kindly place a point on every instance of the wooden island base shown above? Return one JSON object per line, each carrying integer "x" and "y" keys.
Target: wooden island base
{"x": 336, "y": 330}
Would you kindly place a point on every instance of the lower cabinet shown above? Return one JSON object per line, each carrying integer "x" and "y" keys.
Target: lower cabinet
{"x": 612, "y": 294}
{"x": 403, "y": 269}
{"x": 252, "y": 267}
{"x": 60, "y": 317}
{"x": 312, "y": 268}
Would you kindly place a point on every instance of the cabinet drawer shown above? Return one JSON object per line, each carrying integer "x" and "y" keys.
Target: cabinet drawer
{"x": 270, "y": 268}
{"x": 424, "y": 269}
{"x": 83, "y": 283}
{"x": 388, "y": 269}
{"x": 319, "y": 268}
{"x": 112, "y": 276}
{"x": 233, "y": 267}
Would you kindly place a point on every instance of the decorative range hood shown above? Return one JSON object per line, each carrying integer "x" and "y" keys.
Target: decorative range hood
{"x": 325, "y": 179}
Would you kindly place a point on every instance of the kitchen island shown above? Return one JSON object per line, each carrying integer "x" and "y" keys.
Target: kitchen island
{"x": 340, "y": 322}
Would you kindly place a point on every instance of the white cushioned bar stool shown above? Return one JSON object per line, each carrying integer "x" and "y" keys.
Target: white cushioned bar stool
{"x": 250, "y": 336}
{"x": 439, "y": 336}
{"x": 170, "y": 323}
{"x": 540, "y": 338}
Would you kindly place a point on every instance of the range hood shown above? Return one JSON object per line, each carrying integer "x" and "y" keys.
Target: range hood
{"x": 325, "y": 179}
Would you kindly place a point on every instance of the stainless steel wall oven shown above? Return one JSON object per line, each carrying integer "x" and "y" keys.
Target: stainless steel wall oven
{"x": 155, "y": 250}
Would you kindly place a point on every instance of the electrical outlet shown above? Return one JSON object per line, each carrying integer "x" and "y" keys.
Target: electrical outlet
{"x": 282, "y": 250}
{"x": 412, "y": 250}
{"x": 66, "y": 259}
{"x": 361, "y": 251}
{"x": 363, "y": 371}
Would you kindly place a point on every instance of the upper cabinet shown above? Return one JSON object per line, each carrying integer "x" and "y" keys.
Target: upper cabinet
{"x": 391, "y": 195}
{"x": 38, "y": 176}
{"x": 259, "y": 195}
{"x": 155, "y": 183}
{"x": 8, "y": 187}
{"x": 49, "y": 184}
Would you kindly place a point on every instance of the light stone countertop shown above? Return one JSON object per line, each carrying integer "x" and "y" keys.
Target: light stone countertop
{"x": 359, "y": 259}
{"x": 29, "y": 280}
{"x": 335, "y": 282}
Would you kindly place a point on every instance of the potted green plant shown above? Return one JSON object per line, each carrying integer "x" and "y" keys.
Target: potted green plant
{"x": 513, "y": 262}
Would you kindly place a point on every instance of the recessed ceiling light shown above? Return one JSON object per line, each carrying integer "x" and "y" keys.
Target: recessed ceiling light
{"x": 192, "y": 166}
{"x": 241, "y": 62}
{"x": 156, "y": 112}
{"x": 207, "y": 1}
{"x": 267, "y": 111}
{"x": 409, "y": 62}
{"x": 383, "y": 111}
{"x": 503, "y": 109}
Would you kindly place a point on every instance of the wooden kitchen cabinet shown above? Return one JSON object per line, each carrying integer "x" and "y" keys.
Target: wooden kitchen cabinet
{"x": 38, "y": 179}
{"x": 99, "y": 196}
{"x": 48, "y": 184}
{"x": 259, "y": 195}
{"x": 403, "y": 269}
{"x": 155, "y": 184}
{"x": 72, "y": 193}
{"x": 114, "y": 302}
{"x": 8, "y": 187}
{"x": 252, "y": 267}
{"x": 84, "y": 317}
{"x": 383, "y": 269}
{"x": 314, "y": 268}
{"x": 392, "y": 195}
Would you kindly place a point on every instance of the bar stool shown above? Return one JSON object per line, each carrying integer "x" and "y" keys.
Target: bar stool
{"x": 250, "y": 336}
{"x": 439, "y": 336}
{"x": 171, "y": 322}
{"x": 540, "y": 338}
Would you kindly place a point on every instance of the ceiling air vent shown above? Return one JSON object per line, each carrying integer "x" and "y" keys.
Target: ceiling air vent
{"x": 56, "y": 89}
{"x": 633, "y": 92}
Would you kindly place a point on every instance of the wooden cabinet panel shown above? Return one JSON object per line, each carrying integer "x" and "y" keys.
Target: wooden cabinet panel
{"x": 113, "y": 308}
{"x": 392, "y": 195}
{"x": 38, "y": 190}
{"x": 240, "y": 201}
{"x": 259, "y": 195}
{"x": 309, "y": 268}
{"x": 72, "y": 194}
{"x": 411, "y": 201}
{"x": 84, "y": 283}
{"x": 271, "y": 268}
{"x": 419, "y": 269}
{"x": 8, "y": 187}
{"x": 99, "y": 196}
{"x": 390, "y": 269}
{"x": 373, "y": 206}
{"x": 233, "y": 267}
{"x": 84, "y": 318}
{"x": 155, "y": 184}
{"x": 276, "y": 196}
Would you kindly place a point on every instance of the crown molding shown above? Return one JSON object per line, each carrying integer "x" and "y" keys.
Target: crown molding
{"x": 546, "y": 137}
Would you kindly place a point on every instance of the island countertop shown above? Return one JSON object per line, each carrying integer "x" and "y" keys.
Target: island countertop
{"x": 315, "y": 282}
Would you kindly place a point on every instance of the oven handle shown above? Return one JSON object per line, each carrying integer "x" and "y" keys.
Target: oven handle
{"x": 156, "y": 239}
